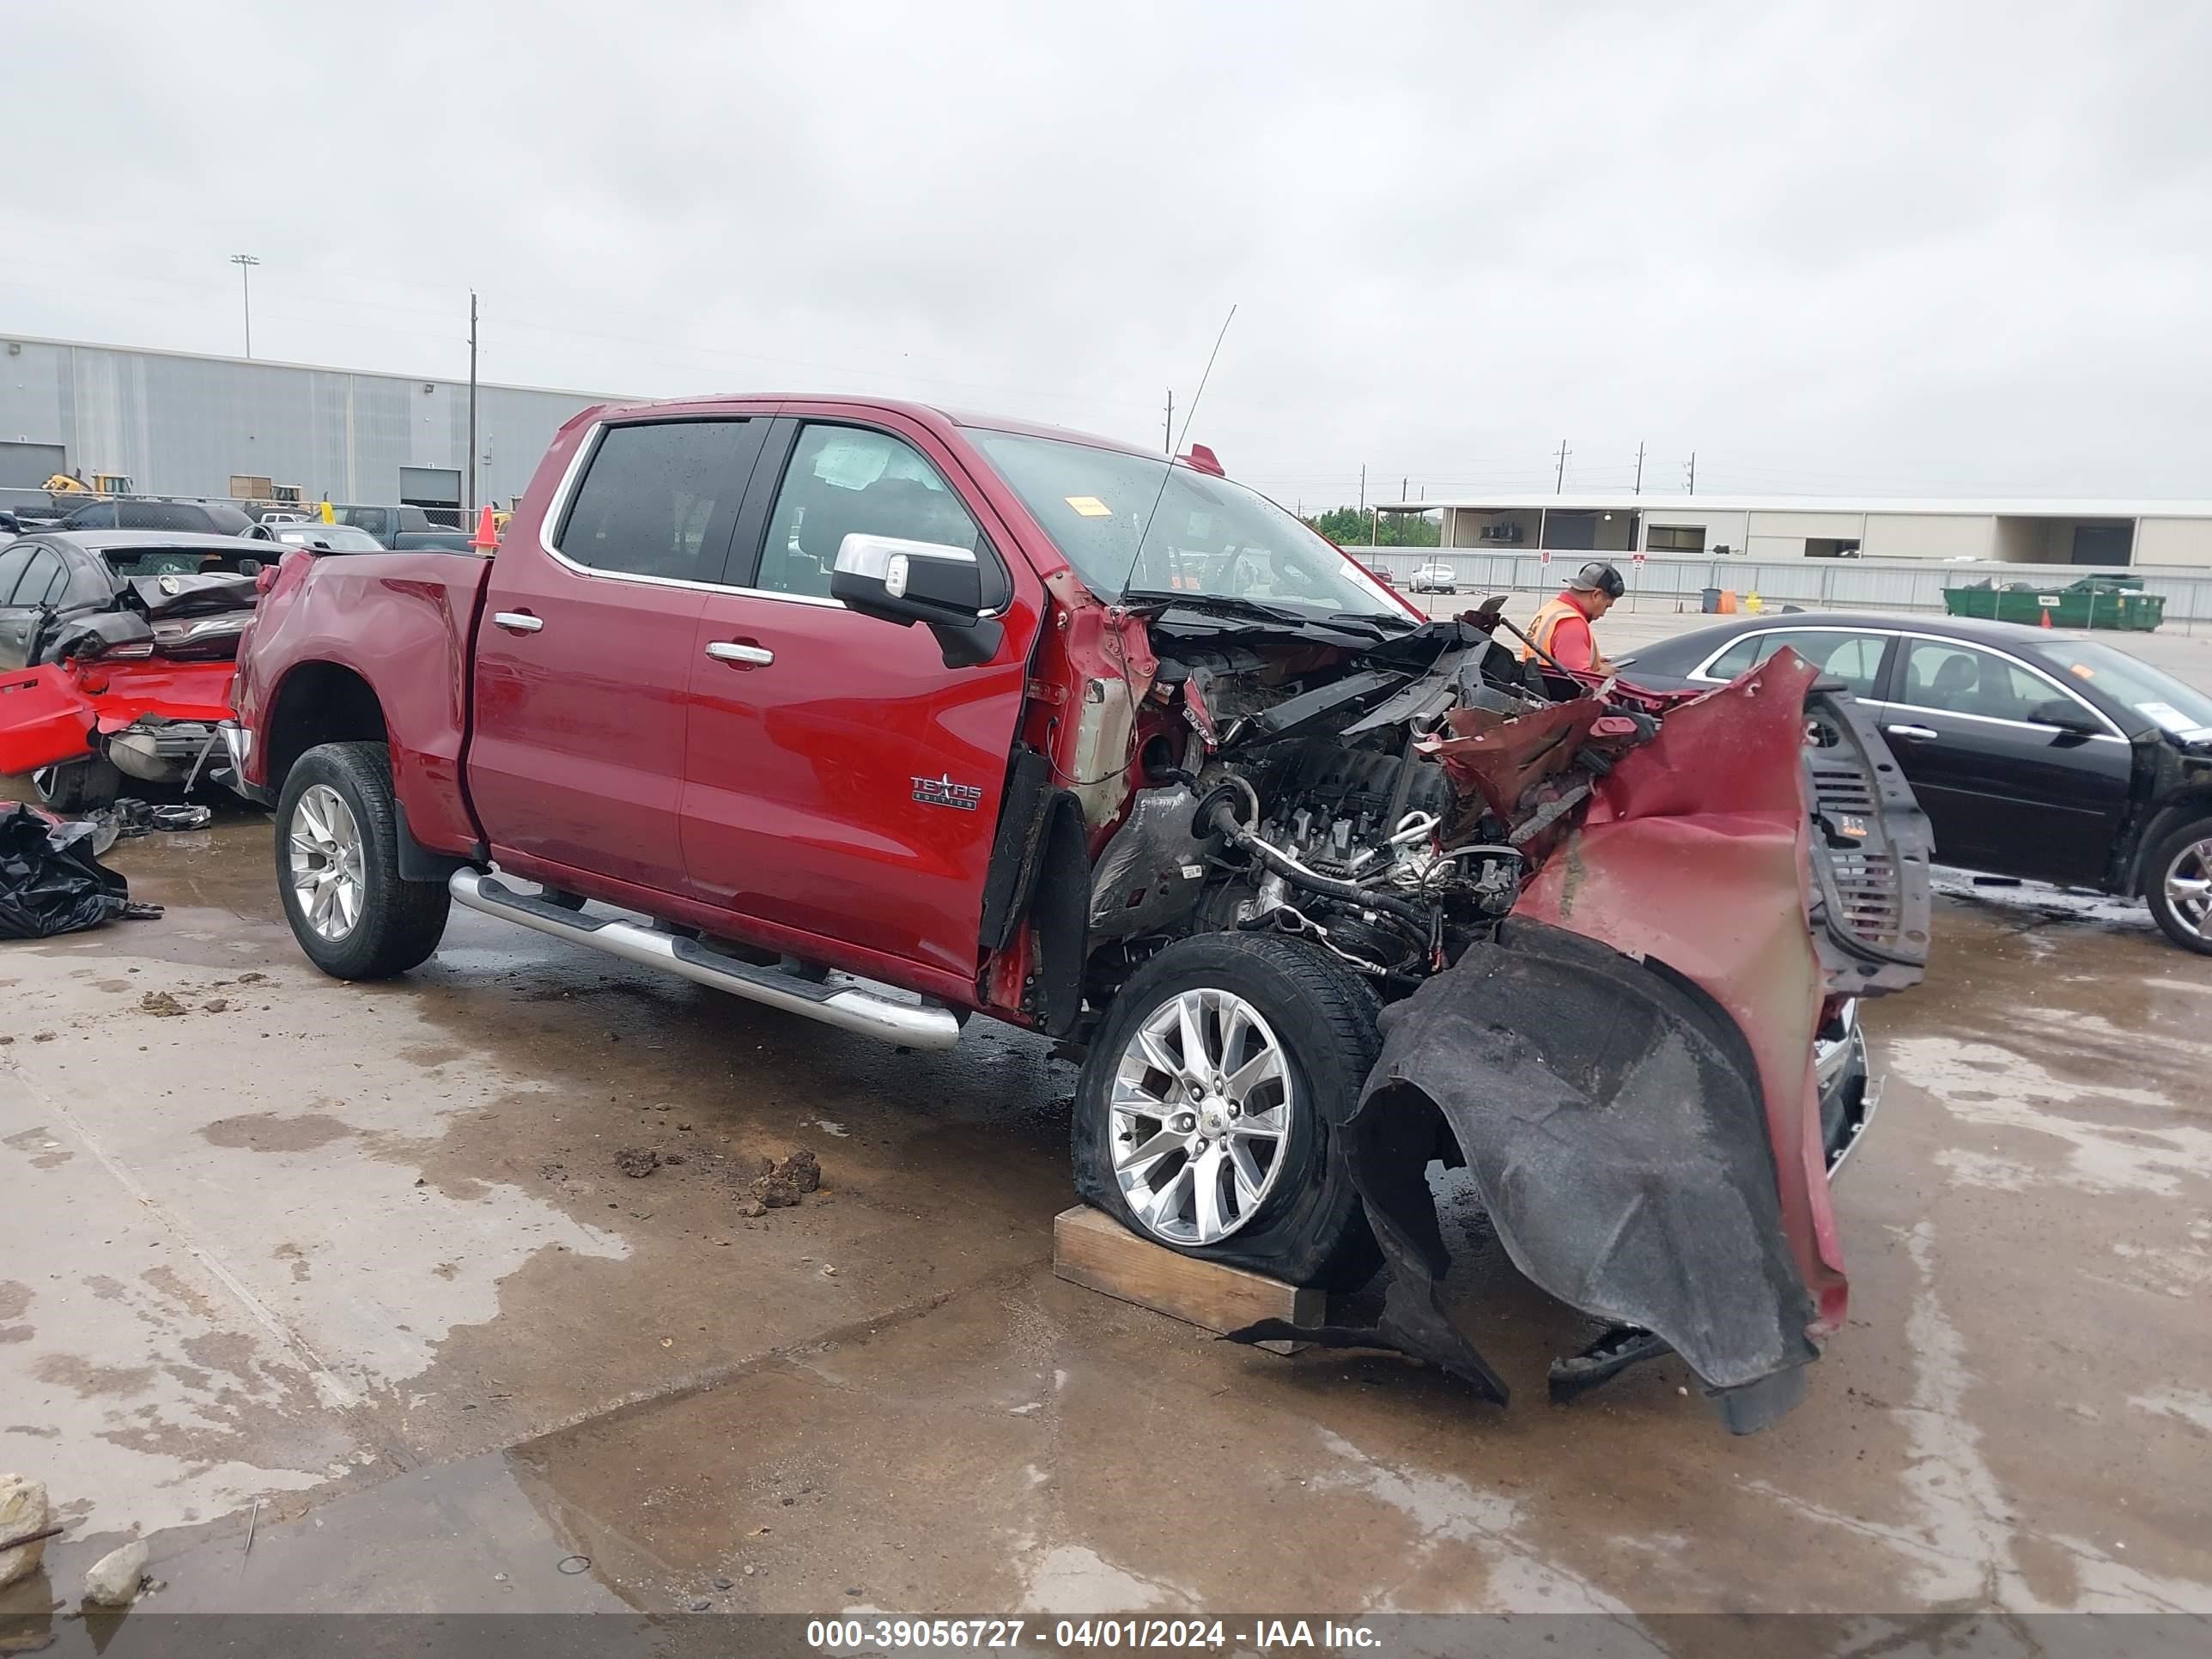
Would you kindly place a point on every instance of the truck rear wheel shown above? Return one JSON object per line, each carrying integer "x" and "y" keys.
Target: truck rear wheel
{"x": 337, "y": 867}
{"x": 1205, "y": 1117}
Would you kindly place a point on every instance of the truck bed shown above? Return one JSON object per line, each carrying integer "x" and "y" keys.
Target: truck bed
{"x": 404, "y": 623}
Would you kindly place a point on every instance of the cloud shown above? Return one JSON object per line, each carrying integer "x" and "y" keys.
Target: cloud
{"x": 1829, "y": 247}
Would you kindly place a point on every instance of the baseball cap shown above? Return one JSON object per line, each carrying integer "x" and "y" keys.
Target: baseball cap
{"x": 1599, "y": 577}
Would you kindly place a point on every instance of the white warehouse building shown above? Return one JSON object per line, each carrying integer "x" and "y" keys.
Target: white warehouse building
{"x": 2171, "y": 534}
{"x": 185, "y": 423}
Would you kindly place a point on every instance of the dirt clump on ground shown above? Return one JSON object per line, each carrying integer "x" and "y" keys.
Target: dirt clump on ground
{"x": 783, "y": 1184}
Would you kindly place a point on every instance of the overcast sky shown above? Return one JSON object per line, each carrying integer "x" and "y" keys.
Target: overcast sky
{"x": 1951, "y": 247}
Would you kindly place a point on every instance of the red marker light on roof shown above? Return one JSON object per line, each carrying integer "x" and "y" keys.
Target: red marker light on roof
{"x": 1201, "y": 458}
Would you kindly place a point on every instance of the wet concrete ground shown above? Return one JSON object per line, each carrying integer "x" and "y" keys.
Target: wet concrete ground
{"x": 352, "y": 1269}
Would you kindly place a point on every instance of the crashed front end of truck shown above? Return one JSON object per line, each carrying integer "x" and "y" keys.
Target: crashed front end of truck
{"x": 1617, "y": 939}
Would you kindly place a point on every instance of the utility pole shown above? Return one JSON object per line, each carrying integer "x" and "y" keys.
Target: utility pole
{"x": 245, "y": 262}
{"x": 1402, "y": 485}
{"x": 1362, "y": 488}
{"x": 1693, "y": 472}
{"x": 1169, "y": 444}
{"x": 472, "y": 404}
{"x": 1639, "y": 469}
{"x": 1560, "y": 483}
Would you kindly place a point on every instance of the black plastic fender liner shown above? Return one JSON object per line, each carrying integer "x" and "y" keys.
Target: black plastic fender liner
{"x": 1611, "y": 1120}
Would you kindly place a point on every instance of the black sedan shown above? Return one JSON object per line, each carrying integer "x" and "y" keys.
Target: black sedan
{"x": 2036, "y": 752}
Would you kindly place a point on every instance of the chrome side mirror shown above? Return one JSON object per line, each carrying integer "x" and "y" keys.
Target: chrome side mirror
{"x": 907, "y": 581}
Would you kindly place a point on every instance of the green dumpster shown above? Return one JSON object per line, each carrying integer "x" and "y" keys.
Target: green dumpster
{"x": 2117, "y": 602}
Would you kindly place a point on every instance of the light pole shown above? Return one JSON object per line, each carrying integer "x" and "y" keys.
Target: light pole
{"x": 245, "y": 262}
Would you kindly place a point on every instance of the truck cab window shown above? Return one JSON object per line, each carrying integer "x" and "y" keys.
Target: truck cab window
{"x": 651, "y": 495}
{"x": 844, "y": 480}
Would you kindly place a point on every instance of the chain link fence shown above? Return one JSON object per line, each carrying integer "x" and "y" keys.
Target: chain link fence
{"x": 1810, "y": 584}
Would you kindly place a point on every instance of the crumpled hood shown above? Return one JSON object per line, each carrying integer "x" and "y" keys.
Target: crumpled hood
{"x": 1627, "y": 1068}
{"x": 1696, "y": 856}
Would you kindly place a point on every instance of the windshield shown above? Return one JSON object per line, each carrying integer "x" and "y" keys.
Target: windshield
{"x": 2132, "y": 683}
{"x": 1210, "y": 538}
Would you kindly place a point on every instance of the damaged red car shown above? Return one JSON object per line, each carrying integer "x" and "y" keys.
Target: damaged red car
{"x": 889, "y": 717}
{"x": 116, "y": 652}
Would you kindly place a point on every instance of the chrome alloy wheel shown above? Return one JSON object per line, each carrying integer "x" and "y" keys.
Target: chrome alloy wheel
{"x": 1201, "y": 1117}
{"x": 326, "y": 861}
{"x": 2189, "y": 887}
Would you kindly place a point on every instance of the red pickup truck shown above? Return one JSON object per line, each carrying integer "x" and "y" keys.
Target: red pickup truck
{"x": 888, "y": 717}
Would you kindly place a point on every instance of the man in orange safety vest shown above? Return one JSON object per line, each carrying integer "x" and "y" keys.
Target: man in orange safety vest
{"x": 1562, "y": 626}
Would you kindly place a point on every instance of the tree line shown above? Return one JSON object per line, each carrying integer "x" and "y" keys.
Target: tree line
{"x": 1350, "y": 527}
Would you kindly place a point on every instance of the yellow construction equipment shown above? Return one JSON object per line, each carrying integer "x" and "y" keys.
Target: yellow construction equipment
{"x": 100, "y": 484}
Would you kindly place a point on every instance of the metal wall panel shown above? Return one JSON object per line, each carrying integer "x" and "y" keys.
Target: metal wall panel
{"x": 26, "y": 467}
{"x": 182, "y": 425}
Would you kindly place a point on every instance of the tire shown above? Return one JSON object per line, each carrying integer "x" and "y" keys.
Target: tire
{"x": 80, "y": 787}
{"x": 394, "y": 924}
{"x": 2184, "y": 856}
{"x": 1308, "y": 1225}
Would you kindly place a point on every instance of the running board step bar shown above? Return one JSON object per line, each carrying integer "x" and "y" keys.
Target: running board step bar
{"x": 918, "y": 1025}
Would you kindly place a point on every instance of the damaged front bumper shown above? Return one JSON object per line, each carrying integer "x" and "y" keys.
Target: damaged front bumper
{"x": 1633, "y": 1070}
{"x": 1851, "y": 1093}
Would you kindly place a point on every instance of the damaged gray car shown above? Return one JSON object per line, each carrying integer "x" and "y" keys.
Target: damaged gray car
{"x": 125, "y": 641}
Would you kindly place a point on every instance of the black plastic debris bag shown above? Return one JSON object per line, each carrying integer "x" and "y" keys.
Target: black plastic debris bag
{"x": 50, "y": 881}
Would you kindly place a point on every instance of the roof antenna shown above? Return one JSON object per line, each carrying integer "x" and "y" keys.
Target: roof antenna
{"x": 1167, "y": 472}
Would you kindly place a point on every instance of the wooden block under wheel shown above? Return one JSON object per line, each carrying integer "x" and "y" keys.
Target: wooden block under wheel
{"x": 1090, "y": 1248}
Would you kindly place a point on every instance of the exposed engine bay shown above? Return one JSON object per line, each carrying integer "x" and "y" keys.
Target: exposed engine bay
{"x": 1315, "y": 795}
{"x": 1606, "y": 927}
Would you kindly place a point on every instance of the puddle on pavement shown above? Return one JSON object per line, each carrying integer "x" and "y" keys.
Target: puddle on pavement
{"x": 941, "y": 1424}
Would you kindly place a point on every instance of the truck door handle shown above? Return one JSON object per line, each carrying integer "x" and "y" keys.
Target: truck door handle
{"x": 737, "y": 651}
{"x": 516, "y": 622}
{"x": 1921, "y": 732}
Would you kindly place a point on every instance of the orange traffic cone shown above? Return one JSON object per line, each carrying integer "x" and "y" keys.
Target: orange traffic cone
{"x": 2046, "y": 616}
{"x": 487, "y": 537}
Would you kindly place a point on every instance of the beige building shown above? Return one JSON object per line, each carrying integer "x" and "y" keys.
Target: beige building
{"x": 2155, "y": 533}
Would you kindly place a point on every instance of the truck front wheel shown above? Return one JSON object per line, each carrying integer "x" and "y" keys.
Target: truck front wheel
{"x": 338, "y": 866}
{"x": 1204, "y": 1116}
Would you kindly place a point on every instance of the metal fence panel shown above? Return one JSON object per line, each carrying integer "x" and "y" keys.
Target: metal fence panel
{"x": 1811, "y": 584}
